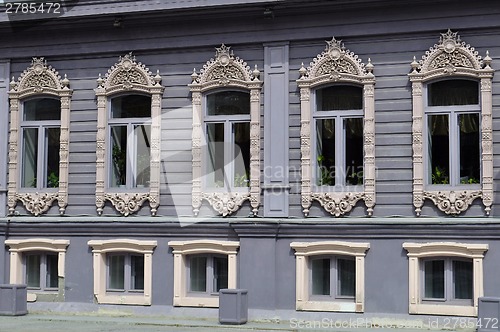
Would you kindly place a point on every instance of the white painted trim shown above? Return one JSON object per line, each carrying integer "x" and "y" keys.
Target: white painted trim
{"x": 304, "y": 250}
{"x": 128, "y": 76}
{"x": 336, "y": 64}
{"x": 36, "y": 81}
{"x": 215, "y": 75}
{"x": 416, "y": 251}
{"x": 181, "y": 249}
{"x": 452, "y": 57}
{"x": 100, "y": 248}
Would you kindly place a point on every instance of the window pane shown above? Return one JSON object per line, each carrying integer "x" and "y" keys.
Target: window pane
{"x": 33, "y": 271}
{"x": 215, "y": 164}
{"x": 339, "y": 97}
{"x": 325, "y": 150}
{"x": 51, "y": 279}
{"x": 228, "y": 102}
{"x": 469, "y": 148}
{"x": 453, "y": 92}
{"x": 241, "y": 150}
{"x": 119, "y": 156}
{"x": 116, "y": 272}
{"x": 198, "y": 274}
{"x": 42, "y": 109}
{"x": 131, "y": 106}
{"x": 346, "y": 277}
{"x": 321, "y": 276}
{"x": 137, "y": 271}
{"x": 434, "y": 279}
{"x": 462, "y": 279}
{"x": 30, "y": 157}
{"x": 142, "y": 164}
{"x": 220, "y": 273}
{"x": 354, "y": 151}
{"x": 439, "y": 147}
{"x": 52, "y": 157}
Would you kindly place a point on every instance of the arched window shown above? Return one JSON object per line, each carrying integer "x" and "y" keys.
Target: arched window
{"x": 337, "y": 131}
{"x": 226, "y": 134}
{"x": 452, "y": 135}
{"x": 39, "y": 137}
{"x": 128, "y": 137}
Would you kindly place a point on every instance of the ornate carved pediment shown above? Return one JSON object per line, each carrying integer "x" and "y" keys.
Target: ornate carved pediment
{"x": 37, "y": 203}
{"x": 453, "y": 202}
{"x": 38, "y": 78}
{"x": 226, "y": 203}
{"x": 334, "y": 63}
{"x": 224, "y": 68}
{"x": 127, "y": 203}
{"x": 127, "y": 74}
{"x": 449, "y": 55}
{"x": 337, "y": 204}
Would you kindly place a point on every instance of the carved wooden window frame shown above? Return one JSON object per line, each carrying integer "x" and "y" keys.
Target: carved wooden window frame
{"x": 419, "y": 251}
{"x": 100, "y": 249}
{"x": 227, "y": 72}
{"x": 337, "y": 65}
{"x": 304, "y": 251}
{"x": 452, "y": 58}
{"x": 38, "y": 80}
{"x": 181, "y": 251}
{"x": 128, "y": 76}
{"x": 17, "y": 248}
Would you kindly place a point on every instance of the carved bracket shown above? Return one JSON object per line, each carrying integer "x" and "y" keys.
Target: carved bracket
{"x": 126, "y": 203}
{"x": 225, "y": 203}
{"x": 451, "y": 202}
{"x": 37, "y": 203}
{"x": 337, "y": 204}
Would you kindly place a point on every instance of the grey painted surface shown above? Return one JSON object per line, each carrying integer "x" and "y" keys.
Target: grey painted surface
{"x": 4, "y": 133}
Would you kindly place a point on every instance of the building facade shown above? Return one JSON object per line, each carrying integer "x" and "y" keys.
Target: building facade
{"x": 334, "y": 158}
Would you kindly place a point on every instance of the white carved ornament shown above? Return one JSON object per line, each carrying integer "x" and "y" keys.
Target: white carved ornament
{"x": 337, "y": 64}
{"x": 128, "y": 76}
{"x": 39, "y": 79}
{"x": 452, "y": 57}
{"x": 226, "y": 71}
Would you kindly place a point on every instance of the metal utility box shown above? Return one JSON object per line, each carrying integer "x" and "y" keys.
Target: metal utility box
{"x": 233, "y": 306}
{"x": 13, "y": 300}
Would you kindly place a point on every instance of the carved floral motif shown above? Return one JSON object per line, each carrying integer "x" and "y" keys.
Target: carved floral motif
{"x": 226, "y": 203}
{"x": 451, "y": 202}
{"x": 37, "y": 203}
{"x": 126, "y": 203}
{"x": 337, "y": 204}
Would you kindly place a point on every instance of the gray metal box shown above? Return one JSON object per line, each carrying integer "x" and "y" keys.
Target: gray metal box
{"x": 13, "y": 300}
{"x": 488, "y": 314}
{"x": 233, "y": 306}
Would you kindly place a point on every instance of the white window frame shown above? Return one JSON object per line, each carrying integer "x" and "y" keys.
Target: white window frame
{"x": 209, "y": 290}
{"x": 336, "y": 65}
{"x": 417, "y": 252}
{"x": 38, "y": 80}
{"x": 451, "y": 58}
{"x": 304, "y": 251}
{"x": 334, "y": 279}
{"x": 225, "y": 71}
{"x": 100, "y": 250}
{"x": 19, "y": 247}
{"x": 127, "y": 270}
{"x": 127, "y": 77}
{"x": 181, "y": 251}
{"x": 43, "y": 271}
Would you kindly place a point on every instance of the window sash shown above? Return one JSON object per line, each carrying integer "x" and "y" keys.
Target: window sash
{"x": 125, "y": 273}
{"x": 332, "y": 277}
{"x": 207, "y": 274}
{"x": 41, "y": 271}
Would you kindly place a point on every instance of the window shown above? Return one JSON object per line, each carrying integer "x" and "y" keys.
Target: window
{"x": 330, "y": 275}
{"x": 452, "y": 121}
{"x": 227, "y": 127}
{"x": 40, "y": 264}
{"x": 337, "y": 117}
{"x": 339, "y": 136}
{"x": 128, "y": 137}
{"x": 40, "y": 131}
{"x": 201, "y": 269}
{"x": 207, "y": 274}
{"x": 226, "y": 134}
{"x": 445, "y": 278}
{"x": 39, "y": 139}
{"x": 130, "y": 140}
{"x": 123, "y": 271}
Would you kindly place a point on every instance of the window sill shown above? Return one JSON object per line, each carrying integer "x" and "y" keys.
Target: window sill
{"x": 333, "y": 306}
{"x": 197, "y": 301}
{"x": 124, "y": 299}
{"x": 443, "y": 309}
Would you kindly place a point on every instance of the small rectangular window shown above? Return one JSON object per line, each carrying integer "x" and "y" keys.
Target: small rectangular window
{"x": 325, "y": 149}
{"x": 33, "y": 271}
{"x": 116, "y": 272}
{"x": 241, "y": 153}
{"x": 462, "y": 280}
{"x": 353, "y": 128}
{"x": 339, "y": 97}
{"x": 346, "y": 269}
{"x": 220, "y": 273}
{"x": 439, "y": 147}
{"x": 52, "y": 278}
{"x": 320, "y": 276}
{"x": 198, "y": 274}
{"x": 469, "y": 141}
{"x": 453, "y": 92}
{"x": 434, "y": 277}
{"x": 137, "y": 271}
{"x": 29, "y": 158}
{"x": 216, "y": 155}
